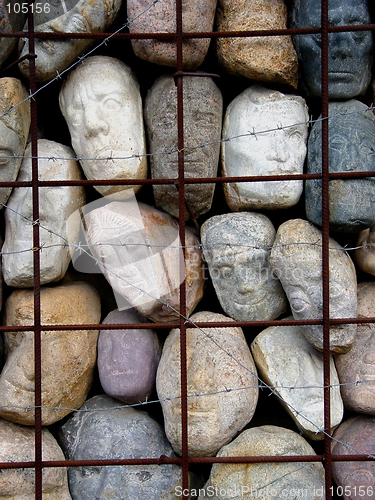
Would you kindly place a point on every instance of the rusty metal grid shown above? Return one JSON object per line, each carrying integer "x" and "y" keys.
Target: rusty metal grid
{"x": 326, "y": 458}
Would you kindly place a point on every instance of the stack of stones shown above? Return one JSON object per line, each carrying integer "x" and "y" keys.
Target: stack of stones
{"x": 114, "y": 256}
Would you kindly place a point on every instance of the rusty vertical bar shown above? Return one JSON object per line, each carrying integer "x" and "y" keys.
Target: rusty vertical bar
{"x": 36, "y": 256}
{"x": 181, "y": 193}
{"x": 325, "y": 248}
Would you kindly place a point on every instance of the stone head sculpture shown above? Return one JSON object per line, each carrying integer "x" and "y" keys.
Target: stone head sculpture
{"x": 268, "y": 133}
{"x": 296, "y": 258}
{"x": 102, "y": 105}
{"x": 349, "y": 53}
{"x": 217, "y": 359}
{"x": 57, "y": 204}
{"x": 237, "y": 249}
{"x": 72, "y": 16}
{"x": 351, "y": 149}
{"x": 68, "y": 357}
{"x": 14, "y": 129}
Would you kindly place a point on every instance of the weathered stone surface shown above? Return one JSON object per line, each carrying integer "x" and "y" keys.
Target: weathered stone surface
{"x": 128, "y": 359}
{"x": 365, "y": 256}
{"x": 68, "y": 357}
{"x": 356, "y": 369}
{"x": 349, "y": 53}
{"x": 252, "y": 151}
{"x": 56, "y": 205}
{"x": 17, "y": 444}
{"x": 82, "y": 16}
{"x": 117, "y": 434}
{"x": 351, "y": 149}
{"x": 354, "y": 437}
{"x": 138, "y": 251}
{"x": 9, "y": 21}
{"x": 237, "y": 249}
{"x": 218, "y": 359}
{"x": 102, "y": 105}
{"x": 14, "y": 129}
{"x": 161, "y": 17}
{"x": 266, "y": 59}
{"x": 203, "y": 107}
{"x": 292, "y": 481}
{"x": 296, "y": 258}
{"x": 281, "y": 346}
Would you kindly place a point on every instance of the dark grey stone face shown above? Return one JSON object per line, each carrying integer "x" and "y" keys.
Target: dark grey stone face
{"x": 349, "y": 53}
{"x": 351, "y": 149}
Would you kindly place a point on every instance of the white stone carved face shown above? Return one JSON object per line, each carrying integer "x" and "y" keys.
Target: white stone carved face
{"x": 102, "y": 106}
{"x": 56, "y": 204}
{"x": 273, "y": 133}
{"x": 53, "y": 56}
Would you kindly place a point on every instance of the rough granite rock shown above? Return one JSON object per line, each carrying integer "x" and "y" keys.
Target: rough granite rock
{"x": 17, "y": 444}
{"x": 296, "y": 258}
{"x": 68, "y": 357}
{"x": 218, "y": 359}
{"x": 203, "y": 108}
{"x": 280, "y": 346}
{"x": 266, "y": 59}
{"x": 118, "y": 434}
{"x": 128, "y": 359}
{"x": 290, "y": 481}
{"x": 161, "y": 17}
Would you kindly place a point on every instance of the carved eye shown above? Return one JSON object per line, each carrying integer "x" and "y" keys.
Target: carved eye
{"x": 226, "y": 272}
{"x": 335, "y": 290}
{"x": 298, "y": 304}
{"x": 112, "y": 104}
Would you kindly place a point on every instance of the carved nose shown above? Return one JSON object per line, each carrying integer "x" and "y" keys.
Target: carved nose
{"x": 277, "y": 148}
{"x": 94, "y": 124}
{"x": 340, "y": 46}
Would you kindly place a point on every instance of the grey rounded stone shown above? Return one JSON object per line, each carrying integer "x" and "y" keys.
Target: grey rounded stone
{"x": 351, "y": 149}
{"x": 203, "y": 108}
{"x": 349, "y": 53}
{"x": 128, "y": 359}
{"x": 236, "y": 248}
{"x": 292, "y": 481}
{"x": 104, "y": 431}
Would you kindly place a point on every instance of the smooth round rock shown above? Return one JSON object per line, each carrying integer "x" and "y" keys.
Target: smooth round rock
{"x": 82, "y": 16}
{"x": 101, "y": 103}
{"x": 292, "y": 481}
{"x": 10, "y": 20}
{"x": 264, "y": 133}
{"x": 365, "y": 255}
{"x": 356, "y": 369}
{"x": 218, "y": 360}
{"x": 300, "y": 387}
{"x": 203, "y": 108}
{"x": 17, "y": 444}
{"x": 356, "y": 436}
{"x": 351, "y": 149}
{"x": 68, "y": 357}
{"x": 14, "y": 130}
{"x": 148, "y": 16}
{"x": 128, "y": 359}
{"x": 236, "y": 248}
{"x": 107, "y": 432}
{"x": 265, "y": 59}
{"x": 139, "y": 252}
{"x": 349, "y": 53}
{"x": 296, "y": 258}
{"x": 57, "y": 204}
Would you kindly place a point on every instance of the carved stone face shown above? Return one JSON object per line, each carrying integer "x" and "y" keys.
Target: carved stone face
{"x": 237, "y": 249}
{"x": 53, "y": 56}
{"x": 351, "y": 149}
{"x": 278, "y": 148}
{"x": 213, "y": 412}
{"x": 349, "y": 53}
{"x": 56, "y": 205}
{"x": 102, "y": 106}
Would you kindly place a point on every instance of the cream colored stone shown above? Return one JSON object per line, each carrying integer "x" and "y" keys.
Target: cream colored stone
{"x": 365, "y": 256}
{"x": 17, "y": 444}
{"x": 218, "y": 360}
{"x": 300, "y": 386}
{"x": 56, "y": 205}
{"x": 68, "y": 357}
{"x": 290, "y": 481}
{"x": 267, "y": 59}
